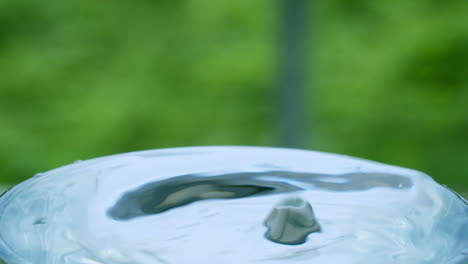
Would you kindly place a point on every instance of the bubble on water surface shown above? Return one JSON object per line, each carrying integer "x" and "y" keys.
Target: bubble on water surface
{"x": 232, "y": 205}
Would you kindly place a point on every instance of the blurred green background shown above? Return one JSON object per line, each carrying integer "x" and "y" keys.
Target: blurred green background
{"x": 386, "y": 80}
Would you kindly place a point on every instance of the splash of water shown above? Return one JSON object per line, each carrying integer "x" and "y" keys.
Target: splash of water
{"x": 232, "y": 205}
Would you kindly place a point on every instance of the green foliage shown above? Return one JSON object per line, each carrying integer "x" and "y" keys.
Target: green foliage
{"x": 82, "y": 79}
{"x": 392, "y": 82}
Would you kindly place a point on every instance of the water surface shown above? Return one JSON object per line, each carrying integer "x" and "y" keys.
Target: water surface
{"x": 215, "y": 205}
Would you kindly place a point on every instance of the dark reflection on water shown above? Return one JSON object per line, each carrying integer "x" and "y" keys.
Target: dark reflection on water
{"x": 3, "y": 193}
{"x": 463, "y": 199}
{"x": 160, "y": 196}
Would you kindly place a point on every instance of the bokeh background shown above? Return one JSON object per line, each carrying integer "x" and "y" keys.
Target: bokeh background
{"x": 382, "y": 80}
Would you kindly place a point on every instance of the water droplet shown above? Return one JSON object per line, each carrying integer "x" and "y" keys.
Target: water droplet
{"x": 40, "y": 174}
{"x": 291, "y": 221}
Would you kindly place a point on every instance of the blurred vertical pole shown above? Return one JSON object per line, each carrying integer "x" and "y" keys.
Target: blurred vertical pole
{"x": 291, "y": 94}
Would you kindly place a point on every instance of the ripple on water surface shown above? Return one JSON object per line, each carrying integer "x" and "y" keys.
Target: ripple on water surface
{"x": 232, "y": 205}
